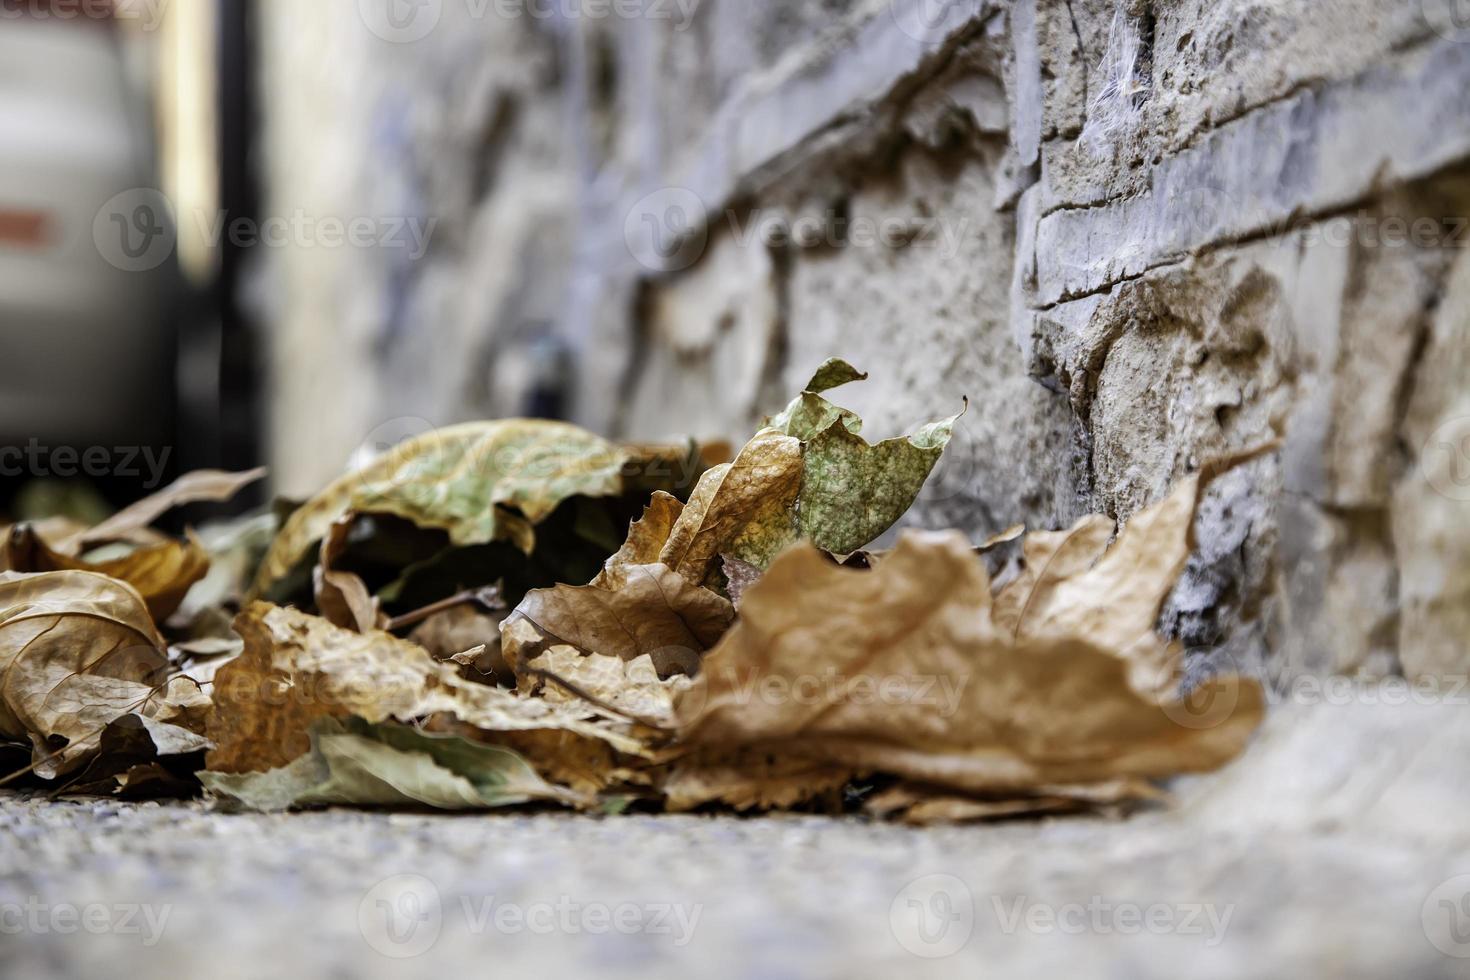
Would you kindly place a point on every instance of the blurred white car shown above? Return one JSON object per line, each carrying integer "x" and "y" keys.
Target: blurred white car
{"x": 87, "y": 338}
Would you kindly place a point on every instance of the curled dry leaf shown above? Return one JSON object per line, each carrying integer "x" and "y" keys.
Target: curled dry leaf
{"x": 746, "y": 508}
{"x": 648, "y": 535}
{"x": 636, "y": 607}
{"x": 807, "y": 475}
{"x": 201, "y": 486}
{"x": 162, "y": 573}
{"x": 343, "y": 598}
{"x": 298, "y": 669}
{"x": 631, "y": 611}
{"x": 481, "y": 482}
{"x": 78, "y": 650}
{"x": 130, "y": 756}
{"x": 904, "y": 669}
{"x": 1075, "y": 584}
{"x": 853, "y": 491}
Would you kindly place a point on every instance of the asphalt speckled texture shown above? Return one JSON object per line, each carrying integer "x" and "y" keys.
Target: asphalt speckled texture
{"x": 1274, "y": 868}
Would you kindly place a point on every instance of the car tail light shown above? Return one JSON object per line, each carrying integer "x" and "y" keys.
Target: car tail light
{"x": 24, "y": 229}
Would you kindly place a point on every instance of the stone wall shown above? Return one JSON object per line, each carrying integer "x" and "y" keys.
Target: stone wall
{"x": 1135, "y": 234}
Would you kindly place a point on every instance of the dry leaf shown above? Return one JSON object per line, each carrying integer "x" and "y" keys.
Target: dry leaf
{"x": 481, "y": 482}
{"x": 648, "y": 535}
{"x": 162, "y": 573}
{"x": 746, "y": 508}
{"x": 466, "y": 635}
{"x": 750, "y": 778}
{"x": 298, "y": 669}
{"x": 631, "y": 611}
{"x": 920, "y": 805}
{"x": 807, "y": 475}
{"x": 902, "y": 670}
{"x": 78, "y": 651}
{"x": 128, "y": 756}
{"x": 388, "y": 765}
{"x": 633, "y": 687}
{"x": 343, "y": 598}
{"x": 852, "y": 491}
{"x": 1076, "y": 585}
{"x": 200, "y": 486}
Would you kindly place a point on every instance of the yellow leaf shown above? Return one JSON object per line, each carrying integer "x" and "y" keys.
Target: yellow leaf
{"x": 162, "y": 573}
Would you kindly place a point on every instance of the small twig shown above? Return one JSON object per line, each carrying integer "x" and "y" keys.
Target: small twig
{"x": 597, "y": 702}
{"x": 487, "y": 597}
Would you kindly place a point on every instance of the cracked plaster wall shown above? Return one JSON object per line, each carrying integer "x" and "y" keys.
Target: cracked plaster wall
{"x": 1136, "y": 234}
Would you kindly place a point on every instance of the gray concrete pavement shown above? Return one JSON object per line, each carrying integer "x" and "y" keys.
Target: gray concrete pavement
{"x": 1332, "y": 849}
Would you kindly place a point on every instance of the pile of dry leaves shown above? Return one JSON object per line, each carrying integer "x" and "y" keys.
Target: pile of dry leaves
{"x": 403, "y": 638}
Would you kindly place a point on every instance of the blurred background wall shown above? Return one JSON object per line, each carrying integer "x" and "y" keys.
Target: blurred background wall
{"x": 1135, "y": 233}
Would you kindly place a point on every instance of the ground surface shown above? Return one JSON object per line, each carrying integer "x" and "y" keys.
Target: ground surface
{"x": 1299, "y": 861}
